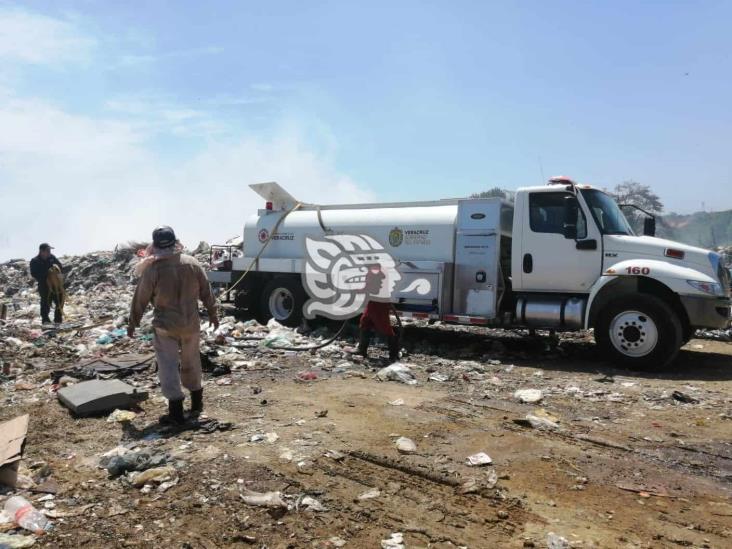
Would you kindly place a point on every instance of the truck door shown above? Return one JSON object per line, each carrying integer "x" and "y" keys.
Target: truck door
{"x": 561, "y": 249}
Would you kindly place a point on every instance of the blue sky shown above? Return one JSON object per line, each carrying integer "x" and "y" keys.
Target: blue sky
{"x": 118, "y": 116}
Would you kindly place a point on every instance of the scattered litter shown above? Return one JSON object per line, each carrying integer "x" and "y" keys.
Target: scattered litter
{"x": 554, "y": 541}
{"x": 156, "y": 475}
{"x": 406, "y": 445}
{"x": 397, "y": 402}
{"x": 479, "y": 459}
{"x": 470, "y": 486}
{"x": 321, "y": 413}
{"x": 310, "y": 504}
{"x": 307, "y": 376}
{"x": 440, "y": 378}
{"x": 370, "y": 494}
{"x": 270, "y": 438}
{"x": 266, "y": 499}
{"x": 529, "y": 396}
{"x": 492, "y": 479}
{"x": 683, "y": 397}
{"x": 397, "y": 372}
{"x": 395, "y": 541}
{"x": 120, "y": 416}
{"x": 10, "y": 541}
{"x": 22, "y": 512}
{"x": 543, "y": 420}
{"x": 335, "y": 455}
{"x": 120, "y": 461}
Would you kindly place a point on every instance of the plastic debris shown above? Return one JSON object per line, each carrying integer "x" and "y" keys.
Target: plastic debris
{"x": 397, "y": 372}
{"x": 529, "y": 396}
{"x": 554, "y": 541}
{"x": 440, "y": 378}
{"x": 397, "y": 402}
{"x": 120, "y": 461}
{"x": 270, "y": 438}
{"x": 370, "y": 494}
{"x": 10, "y": 541}
{"x": 543, "y": 420}
{"x": 156, "y": 475}
{"x": 406, "y": 445}
{"x": 310, "y": 504}
{"x": 395, "y": 541}
{"x": 22, "y": 512}
{"x": 121, "y": 416}
{"x": 479, "y": 459}
{"x": 265, "y": 499}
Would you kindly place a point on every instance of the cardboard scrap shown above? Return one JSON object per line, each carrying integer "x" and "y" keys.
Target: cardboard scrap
{"x": 12, "y": 440}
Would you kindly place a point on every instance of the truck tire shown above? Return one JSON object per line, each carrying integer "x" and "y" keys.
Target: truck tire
{"x": 640, "y": 331}
{"x": 282, "y": 299}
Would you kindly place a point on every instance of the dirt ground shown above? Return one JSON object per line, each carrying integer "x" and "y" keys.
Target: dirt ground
{"x": 631, "y": 465}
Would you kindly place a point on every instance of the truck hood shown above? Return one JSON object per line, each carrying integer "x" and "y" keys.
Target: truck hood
{"x": 655, "y": 248}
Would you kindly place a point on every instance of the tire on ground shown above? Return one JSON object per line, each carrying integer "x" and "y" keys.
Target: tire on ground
{"x": 283, "y": 299}
{"x": 621, "y": 345}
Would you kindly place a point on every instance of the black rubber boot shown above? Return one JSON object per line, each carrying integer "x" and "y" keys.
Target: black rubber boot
{"x": 393, "y": 343}
{"x": 196, "y": 403}
{"x": 175, "y": 413}
{"x": 57, "y": 317}
{"x": 364, "y": 338}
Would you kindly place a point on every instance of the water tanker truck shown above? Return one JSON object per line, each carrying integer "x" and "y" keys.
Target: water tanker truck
{"x": 560, "y": 257}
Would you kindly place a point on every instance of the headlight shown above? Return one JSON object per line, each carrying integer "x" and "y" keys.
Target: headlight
{"x": 711, "y": 288}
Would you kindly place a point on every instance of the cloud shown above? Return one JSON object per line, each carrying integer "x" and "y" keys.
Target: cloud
{"x": 37, "y": 39}
{"x": 86, "y": 183}
{"x": 144, "y": 59}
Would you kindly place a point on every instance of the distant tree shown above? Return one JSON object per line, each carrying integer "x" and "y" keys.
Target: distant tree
{"x": 495, "y": 192}
{"x": 632, "y": 192}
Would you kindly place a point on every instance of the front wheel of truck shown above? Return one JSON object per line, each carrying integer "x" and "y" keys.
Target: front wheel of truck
{"x": 640, "y": 331}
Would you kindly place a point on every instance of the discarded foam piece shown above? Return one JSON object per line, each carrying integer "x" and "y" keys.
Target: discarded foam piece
{"x": 98, "y": 396}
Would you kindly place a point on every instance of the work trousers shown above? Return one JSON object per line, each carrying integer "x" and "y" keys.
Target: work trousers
{"x": 376, "y": 317}
{"x": 179, "y": 360}
{"x": 46, "y": 300}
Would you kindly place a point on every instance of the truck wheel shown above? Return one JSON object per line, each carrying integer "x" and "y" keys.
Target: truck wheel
{"x": 640, "y": 331}
{"x": 282, "y": 299}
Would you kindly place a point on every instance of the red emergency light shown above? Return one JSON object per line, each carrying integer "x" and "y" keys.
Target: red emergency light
{"x": 561, "y": 180}
{"x": 268, "y": 206}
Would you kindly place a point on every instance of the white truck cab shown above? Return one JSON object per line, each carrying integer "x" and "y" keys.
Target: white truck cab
{"x": 644, "y": 295}
{"x": 562, "y": 256}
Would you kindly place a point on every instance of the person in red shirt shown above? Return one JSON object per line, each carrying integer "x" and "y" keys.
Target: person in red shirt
{"x": 376, "y": 317}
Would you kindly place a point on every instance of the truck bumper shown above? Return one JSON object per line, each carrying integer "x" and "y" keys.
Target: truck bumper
{"x": 707, "y": 312}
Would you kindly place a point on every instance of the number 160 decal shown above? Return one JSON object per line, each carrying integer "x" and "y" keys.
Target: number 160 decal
{"x": 638, "y": 270}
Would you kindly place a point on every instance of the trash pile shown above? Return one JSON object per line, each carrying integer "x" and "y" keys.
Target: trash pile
{"x": 91, "y": 370}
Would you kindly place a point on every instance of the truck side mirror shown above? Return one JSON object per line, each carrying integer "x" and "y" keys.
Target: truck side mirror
{"x": 649, "y": 226}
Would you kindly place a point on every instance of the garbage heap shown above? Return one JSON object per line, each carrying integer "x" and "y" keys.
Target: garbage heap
{"x": 99, "y": 289}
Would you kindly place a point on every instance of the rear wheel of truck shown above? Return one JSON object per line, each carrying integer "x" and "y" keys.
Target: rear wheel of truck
{"x": 640, "y": 331}
{"x": 282, "y": 299}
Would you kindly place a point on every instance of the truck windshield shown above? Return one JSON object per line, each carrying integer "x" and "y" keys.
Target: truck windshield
{"x": 607, "y": 213}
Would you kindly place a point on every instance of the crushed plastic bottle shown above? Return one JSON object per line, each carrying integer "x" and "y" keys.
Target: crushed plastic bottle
{"x": 26, "y": 516}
